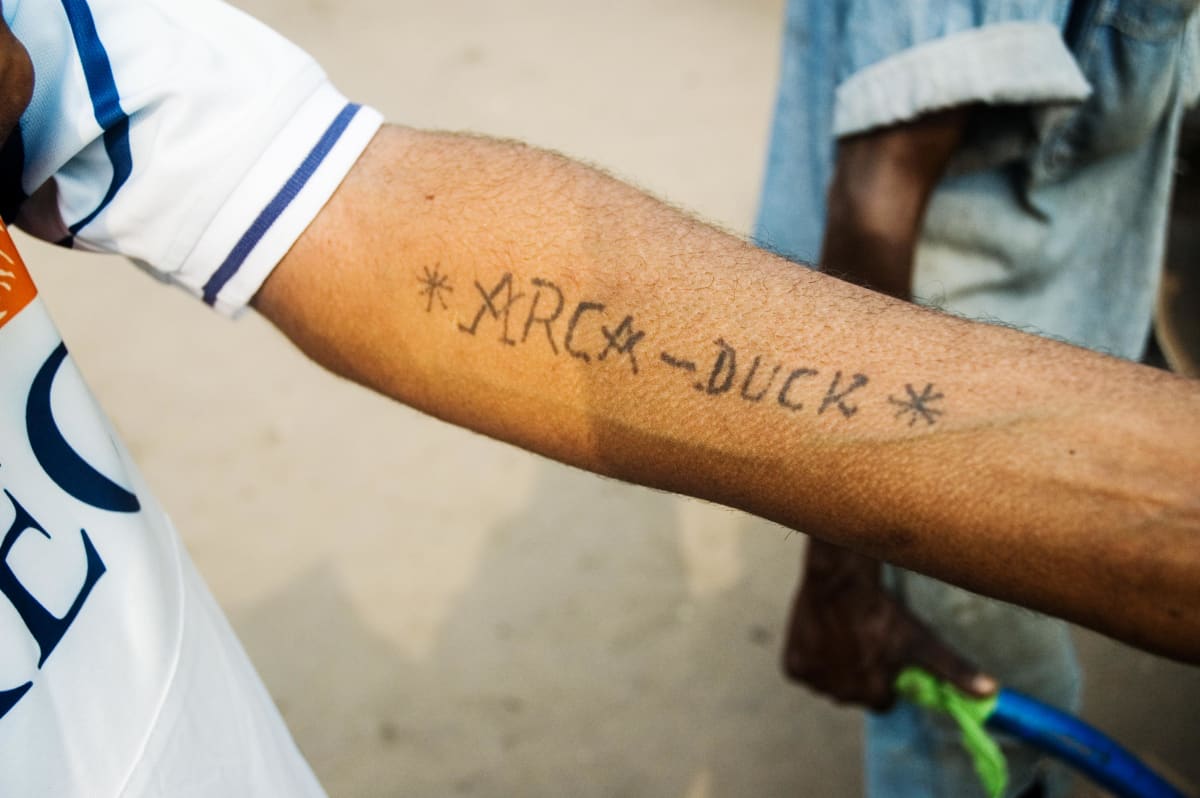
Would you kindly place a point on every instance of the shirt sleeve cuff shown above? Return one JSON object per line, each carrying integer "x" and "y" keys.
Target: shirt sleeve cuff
{"x": 1012, "y": 63}
{"x": 277, "y": 200}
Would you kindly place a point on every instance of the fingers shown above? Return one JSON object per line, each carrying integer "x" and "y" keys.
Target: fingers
{"x": 930, "y": 653}
{"x": 850, "y": 644}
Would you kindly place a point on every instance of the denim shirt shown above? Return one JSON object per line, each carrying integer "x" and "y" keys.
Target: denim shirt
{"x": 1052, "y": 217}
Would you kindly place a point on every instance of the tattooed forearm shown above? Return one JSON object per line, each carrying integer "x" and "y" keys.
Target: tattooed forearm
{"x": 590, "y": 332}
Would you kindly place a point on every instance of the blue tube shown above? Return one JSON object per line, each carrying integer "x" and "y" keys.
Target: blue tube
{"x": 1068, "y": 738}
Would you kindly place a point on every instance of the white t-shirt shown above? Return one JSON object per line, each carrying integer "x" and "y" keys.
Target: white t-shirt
{"x": 190, "y": 138}
{"x": 180, "y": 133}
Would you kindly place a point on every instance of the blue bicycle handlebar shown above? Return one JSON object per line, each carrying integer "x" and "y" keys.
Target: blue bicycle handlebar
{"x": 1080, "y": 745}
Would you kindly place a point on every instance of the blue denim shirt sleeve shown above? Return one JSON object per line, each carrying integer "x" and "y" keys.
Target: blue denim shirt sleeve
{"x": 844, "y": 51}
{"x": 1190, "y": 63}
{"x": 900, "y": 60}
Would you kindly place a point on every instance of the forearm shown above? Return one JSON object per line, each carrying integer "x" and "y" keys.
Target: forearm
{"x": 882, "y": 182}
{"x": 871, "y": 232}
{"x": 596, "y": 326}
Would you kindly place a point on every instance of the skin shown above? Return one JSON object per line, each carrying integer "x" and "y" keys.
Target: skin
{"x": 847, "y": 637}
{"x": 1017, "y": 467}
{"x": 16, "y": 78}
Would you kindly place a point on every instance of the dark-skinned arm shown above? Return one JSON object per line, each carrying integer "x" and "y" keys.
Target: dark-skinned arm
{"x": 847, "y": 637}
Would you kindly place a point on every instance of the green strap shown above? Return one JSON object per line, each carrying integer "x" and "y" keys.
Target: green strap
{"x": 926, "y": 691}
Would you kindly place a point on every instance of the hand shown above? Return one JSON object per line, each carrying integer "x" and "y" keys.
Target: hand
{"x": 848, "y": 638}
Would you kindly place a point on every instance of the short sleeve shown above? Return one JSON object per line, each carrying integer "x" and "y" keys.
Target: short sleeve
{"x": 900, "y": 60}
{"x": 182, "y": 134}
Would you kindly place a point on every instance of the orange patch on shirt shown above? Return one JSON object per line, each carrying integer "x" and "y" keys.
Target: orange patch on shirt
{"x": 16, "y": 286}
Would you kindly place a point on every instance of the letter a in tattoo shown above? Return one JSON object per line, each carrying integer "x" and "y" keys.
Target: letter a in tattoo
{"x": 582, "y": 308}
{"x": 787, "y": 386}
{"x": 490, "y": 307}
{"x": 835, "y": 399}
{"x": 723, "y": 370}
{"x": 546, "y": 320}
{"x": 622, "y": 347}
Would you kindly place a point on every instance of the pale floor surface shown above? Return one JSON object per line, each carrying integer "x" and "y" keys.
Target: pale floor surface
{"x": 440, "y": 614}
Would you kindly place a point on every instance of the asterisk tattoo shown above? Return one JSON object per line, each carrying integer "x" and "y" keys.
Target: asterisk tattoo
{"x": 433, "y": 285}
{"x": 917, "y": 406}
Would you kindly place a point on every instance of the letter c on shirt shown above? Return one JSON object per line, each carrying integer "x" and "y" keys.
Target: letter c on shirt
{"x": 62, "y": 463}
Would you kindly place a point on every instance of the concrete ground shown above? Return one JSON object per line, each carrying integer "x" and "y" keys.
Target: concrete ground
{"x": 440, "y": 614}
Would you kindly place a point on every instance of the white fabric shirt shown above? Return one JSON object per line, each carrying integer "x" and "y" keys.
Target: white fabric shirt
{"x": 180, "y": 133}
{"x": 190, "y": 138}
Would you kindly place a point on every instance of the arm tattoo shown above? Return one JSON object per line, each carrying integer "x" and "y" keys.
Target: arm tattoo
{"x": 593, "y": 334}
{"x": 918, "y": 406}
{"x": 435, "y": 285}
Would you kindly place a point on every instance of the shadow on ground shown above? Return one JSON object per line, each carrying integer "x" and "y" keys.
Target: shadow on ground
{"x": 539, "y": 685}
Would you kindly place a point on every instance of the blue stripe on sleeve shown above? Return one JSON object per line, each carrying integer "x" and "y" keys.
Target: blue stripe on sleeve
{"x": 106, "y": 100}
{"x": 278, "y": 204}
